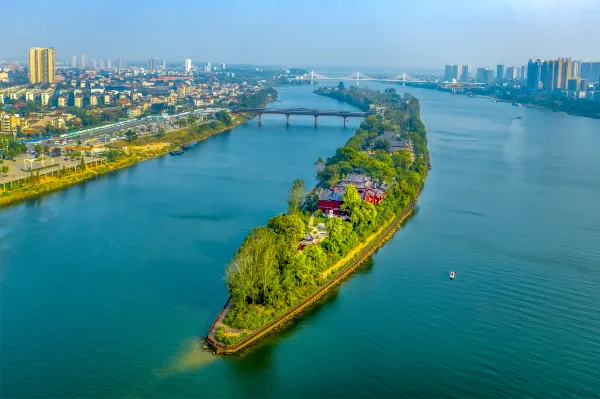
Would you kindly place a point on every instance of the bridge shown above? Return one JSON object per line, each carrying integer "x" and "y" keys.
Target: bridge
{"x": 300, "y": 111}
{"x": 360, "y": 77}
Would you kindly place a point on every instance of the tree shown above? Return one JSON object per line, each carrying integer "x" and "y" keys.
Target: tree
{"x": 382, "y": 145}
{"x": 341, "y": 85}
{"x": 296, "y": 196}
{"x": 131, "y": 135}
{"x": 362, "y": 214}
{"x": 253, "y": 275}
{"x": 82, "y": 164}
{"x": 319, "y": 166}
{"x": 224, "y": 117}
{"x": 37, "y": 148}
{"x": 5, "y": 169}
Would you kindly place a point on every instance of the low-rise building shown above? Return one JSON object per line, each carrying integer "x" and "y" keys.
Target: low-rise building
{"x": 45, "y": 97}
{"x": 134, "y": 111}
{"x": 62, "y": 101}
{"x": 9, "y": 124}
{"x": 79, "y": 102}
{"x": 93, "y": 100}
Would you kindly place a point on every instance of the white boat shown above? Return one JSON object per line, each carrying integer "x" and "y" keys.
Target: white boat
{"x": 452, "y": 274}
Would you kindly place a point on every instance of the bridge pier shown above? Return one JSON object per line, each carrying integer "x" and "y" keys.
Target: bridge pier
{"x": 287, "y": 119}
{"x": 316, "y": 120}
{"x": 345, "y": 120}
{"x": 259, "y": 118}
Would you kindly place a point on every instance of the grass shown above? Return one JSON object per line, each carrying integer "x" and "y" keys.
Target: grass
{"x": 227, "y": 338}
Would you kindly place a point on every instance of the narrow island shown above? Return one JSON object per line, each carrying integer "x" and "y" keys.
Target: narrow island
{"x": 102, "y": 159}
{"x": 364, "y": 193}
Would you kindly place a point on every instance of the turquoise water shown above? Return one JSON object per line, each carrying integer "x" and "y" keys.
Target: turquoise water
{"x": 107, "y": 286}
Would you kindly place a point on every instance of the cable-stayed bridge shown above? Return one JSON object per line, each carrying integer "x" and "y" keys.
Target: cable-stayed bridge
{"x": 359, "y": 77}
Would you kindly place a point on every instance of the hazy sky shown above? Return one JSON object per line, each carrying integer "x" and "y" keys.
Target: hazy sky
{"x": 392, "y": 33}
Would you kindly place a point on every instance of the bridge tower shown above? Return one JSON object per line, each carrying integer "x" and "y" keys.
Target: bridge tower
{"x": 312, "y": 77}
{"x": 357, "y": 77}
{"x": 403, "y": 78}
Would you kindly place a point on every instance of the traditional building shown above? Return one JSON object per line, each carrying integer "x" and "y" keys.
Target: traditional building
{"x": 330, "y": 201}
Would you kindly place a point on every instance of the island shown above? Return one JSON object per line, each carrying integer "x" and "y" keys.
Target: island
{"x": 364, "y": 193}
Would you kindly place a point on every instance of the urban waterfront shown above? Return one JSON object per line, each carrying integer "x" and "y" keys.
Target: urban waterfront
{"x": 107, "y": 286}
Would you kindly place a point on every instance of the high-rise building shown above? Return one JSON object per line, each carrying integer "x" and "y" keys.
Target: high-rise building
{"x": 573, "y": 84}
{"x": 480, "y": 74}
{"x": 101, "y": 64}
{"x": 534, "y": 71}
{"x": 589, "y": 71}
{"x": 83, "y": 60}
{"x": 109, "y": 64}
{"x": 575, "y": 70}
{"x": 500, "y": 72}
{"x": 456, "y": 70}
{"x": 94, "y": 63}
{"x": 152, "y": 64}
{"x": 556, "y": 74}
{"x": 164, "y": 65}
{"x": 547, "y": 71}
{"x": 208, "y": 66}
{"x": 223, "y": 66}
{"x": 448, "y": 72}
{"x": 488, "y": 75}
{"x": 566, "y": 72}
{"x": 583, "y": 84}
{"x": 187, "y": 65}
{"x": 523, "y": 72}
{"x": 42, "y": 65}
{"x": 74, "y": 61}
{"x": 465, "y": 73}
{"x": 511, "y": 73}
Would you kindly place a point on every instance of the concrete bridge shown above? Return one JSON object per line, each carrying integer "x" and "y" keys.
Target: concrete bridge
{"x": 300, "y": 111}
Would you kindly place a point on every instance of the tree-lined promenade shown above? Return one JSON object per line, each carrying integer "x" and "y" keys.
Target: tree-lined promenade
{"x": 272, "y": 273}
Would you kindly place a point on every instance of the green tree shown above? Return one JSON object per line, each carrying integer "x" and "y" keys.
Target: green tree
{"x": 296, "y": 196}
{"x": 382, "y": 145}
{"x": 5, "y": 169}
{"x": 224, "y": 117}
{"x": 362, "y": 214}
{"x": 130, "y": 135}
{"x": 82, "y": 164}
{"x": 37, "y": 148}
{"x": 340, "y": 85}
{"x": 253, "y": 274}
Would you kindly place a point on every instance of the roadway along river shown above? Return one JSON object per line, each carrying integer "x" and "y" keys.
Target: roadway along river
{"x": 106, "y": 286}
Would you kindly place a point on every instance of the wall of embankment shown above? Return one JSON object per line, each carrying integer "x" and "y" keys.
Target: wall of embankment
{"x": 369, "y": 246}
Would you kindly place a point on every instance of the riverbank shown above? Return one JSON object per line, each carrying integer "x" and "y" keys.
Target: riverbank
{"x": 579, "y": 107}
{"x": 120, "y": 155}
{"x": 363, "y": 193}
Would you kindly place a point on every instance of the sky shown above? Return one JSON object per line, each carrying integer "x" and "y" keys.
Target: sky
{"x": 307, "y": 33}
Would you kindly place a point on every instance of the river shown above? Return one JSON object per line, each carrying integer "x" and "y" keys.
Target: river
{"x": 108, "y": 285}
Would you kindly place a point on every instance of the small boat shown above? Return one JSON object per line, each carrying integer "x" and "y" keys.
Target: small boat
{"x": 176, "y": 152}
{"x": 452, "y": 274}
{"x": 518, "y": 117}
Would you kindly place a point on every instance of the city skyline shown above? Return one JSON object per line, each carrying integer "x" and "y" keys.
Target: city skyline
{"x": 288, "y": 39}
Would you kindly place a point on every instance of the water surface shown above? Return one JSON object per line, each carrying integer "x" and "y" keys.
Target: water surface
{"x": 107, "y": 285}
